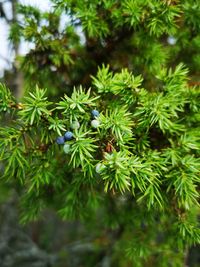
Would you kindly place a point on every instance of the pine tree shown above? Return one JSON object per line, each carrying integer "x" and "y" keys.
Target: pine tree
{"x": 114, "y": 139}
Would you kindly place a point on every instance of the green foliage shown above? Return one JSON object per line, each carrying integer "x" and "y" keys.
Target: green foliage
{"x": 35, "y": 107}
{"x": 135, "y": 175}
{"x": 170, "y": 163}
{"x": 6, "y": 99}
{"x": 118, "y": 123}
{"x": 78, "y": 103}
{"x": 116, "y": 173}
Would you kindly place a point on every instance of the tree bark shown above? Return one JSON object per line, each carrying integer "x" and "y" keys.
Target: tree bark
{"x": 18, "y": 79}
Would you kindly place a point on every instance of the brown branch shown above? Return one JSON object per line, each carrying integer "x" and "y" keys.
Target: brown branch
{"x": 193, "y": 83}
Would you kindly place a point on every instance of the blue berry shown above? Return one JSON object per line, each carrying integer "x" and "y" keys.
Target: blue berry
{"x": 68, "y": 136}
{"x": 75, "y": 125}
{"x": 95, "y": 113}
{"x": 100, "y": 167}
{"x": 66, "y": 148}
{"x": 60, "y": 140}
{"x": 95, "y": 123}
{"x": 171, "y": 40}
